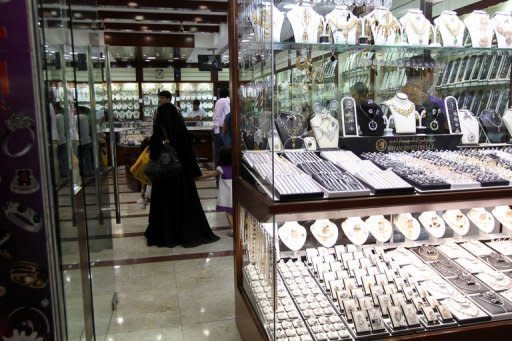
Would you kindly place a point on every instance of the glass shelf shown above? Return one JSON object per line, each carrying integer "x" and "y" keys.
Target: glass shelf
{"x": 440, "y": 50}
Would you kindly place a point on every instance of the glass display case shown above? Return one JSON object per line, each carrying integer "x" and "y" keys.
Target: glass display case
{"x": 203, "y": 92}
{"x": 365, "y": 206}
{"x": 125, "y": 101}
{"x": 150, "y": 96}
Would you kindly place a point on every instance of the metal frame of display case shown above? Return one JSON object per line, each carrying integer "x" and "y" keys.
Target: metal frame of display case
{"x": 247, "y": 197}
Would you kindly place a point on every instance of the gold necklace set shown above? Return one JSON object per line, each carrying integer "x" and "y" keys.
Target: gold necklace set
{"x": 384, "y": 25}
{"x": 452, "y": 24}
{"x": 337, "y": 25}
{"x": 406, "y": 112}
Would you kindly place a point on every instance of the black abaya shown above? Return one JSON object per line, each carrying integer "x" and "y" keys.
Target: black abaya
{"x": 176, "y": 216}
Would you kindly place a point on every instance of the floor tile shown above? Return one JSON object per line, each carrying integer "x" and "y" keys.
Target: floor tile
{"x": 163, "y": 334}
{"x": 220, "y": 330}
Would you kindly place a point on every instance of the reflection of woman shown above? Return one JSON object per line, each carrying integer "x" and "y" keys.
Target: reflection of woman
{"x": 176, "y": 216}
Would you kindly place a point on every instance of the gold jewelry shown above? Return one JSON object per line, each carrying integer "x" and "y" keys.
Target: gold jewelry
{"x": 453, "y": 26}
{"x": 345, "y": 27}
{"x": 506, "y": 31}
{"x": 484, "y": 23}
{"x": 307, "y": 18}
{"x": 302, "y": 62}
{"x": 385, "y": 26}
{"x": 419, "y": 24}
{"x": 406, "y": 112}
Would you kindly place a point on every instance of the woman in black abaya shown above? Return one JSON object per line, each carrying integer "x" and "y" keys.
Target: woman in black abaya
{"x": 176, "y": 216}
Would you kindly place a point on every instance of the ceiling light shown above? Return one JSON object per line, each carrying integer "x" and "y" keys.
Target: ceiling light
{"x": 198, "y": 19}
{"x": 203, "y": 7}
{"x": 132, "y": 4}
{"x": 139, "y": 17}
{"x": 144, "y": 28}
{"x": 54, "y": 13}
{"x": 151, "y": 58}
{"x": 78, "y": 15}
{"x": 193, "y": 29}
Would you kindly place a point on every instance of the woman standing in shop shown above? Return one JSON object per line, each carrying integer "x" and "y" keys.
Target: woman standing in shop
{"x": 176, "y": 216}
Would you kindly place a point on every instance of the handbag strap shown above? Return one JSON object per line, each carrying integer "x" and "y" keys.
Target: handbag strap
{"x": 165, "y": 135}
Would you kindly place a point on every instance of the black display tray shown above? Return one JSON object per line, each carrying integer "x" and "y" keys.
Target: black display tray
{"x": 399, "y": 143}
{"x": 495, "y": 183}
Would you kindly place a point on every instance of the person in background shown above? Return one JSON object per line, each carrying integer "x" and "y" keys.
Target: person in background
{"x": 197, "y": 113}
{"x": 226, "y": 130}
{"x": 359, "y": 92}
{"x": 176, "y": 216}
{"x": 222, "y": 108}
{"x": 419, "y": 89}
{"x": 224, "y": 172}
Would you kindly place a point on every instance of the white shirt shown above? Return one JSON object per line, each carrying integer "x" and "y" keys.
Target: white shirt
{"x": 194, "y": 113}
{"x": 222, "y": 108}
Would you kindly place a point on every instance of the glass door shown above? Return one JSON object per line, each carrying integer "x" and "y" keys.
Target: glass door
{"x": 84, "y": 169}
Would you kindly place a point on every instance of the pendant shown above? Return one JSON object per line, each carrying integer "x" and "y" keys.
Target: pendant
{"x": 434, "y": 125}
{"x": 372, "y": 125}
{"x": 471, "y": 138}
{"x": 484, "y": 41}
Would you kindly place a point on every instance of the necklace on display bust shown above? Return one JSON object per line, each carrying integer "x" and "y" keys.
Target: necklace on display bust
{"x": 292, "y": 235}
{"x": 356, "y": 230}
{"x": 452, "y": 24}
{"x": 402, "y": 105}
{"x": 484, "y": 23}
{"x": 384, "y": 24}
{"x": 337, "y": 24}
{"x": 495, "y": 120}
{"x": 504, "y": 26}
{"x": 327, "y": 126}
{"x": 380, "y": 228}
{"x": 325, "y": 232}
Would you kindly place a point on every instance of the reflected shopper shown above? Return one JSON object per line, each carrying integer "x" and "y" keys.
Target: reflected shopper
{"x": 176, "y": 216}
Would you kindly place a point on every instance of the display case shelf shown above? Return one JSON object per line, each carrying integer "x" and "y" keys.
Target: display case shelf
{"x": 263, "y": 208}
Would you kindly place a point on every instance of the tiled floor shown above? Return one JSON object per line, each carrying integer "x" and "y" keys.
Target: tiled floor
{"x": 164, "y": 294}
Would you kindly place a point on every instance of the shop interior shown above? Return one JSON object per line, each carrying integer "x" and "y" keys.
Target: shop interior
{"x": 372, "y": 159}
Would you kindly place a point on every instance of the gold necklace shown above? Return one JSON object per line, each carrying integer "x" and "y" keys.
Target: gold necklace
{"x": 307, "y": 18}
{"x": 418, "y": 23}
{"x": 346, "y": 27}
{"x": 387, "y": 27}
{"x": 406, "y": 112}
{"x": 484, "y": 23}
{"x": 452, "y": 24}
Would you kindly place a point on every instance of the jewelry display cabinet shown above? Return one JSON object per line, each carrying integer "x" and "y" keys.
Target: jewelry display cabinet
{"x": 365, "y": 205}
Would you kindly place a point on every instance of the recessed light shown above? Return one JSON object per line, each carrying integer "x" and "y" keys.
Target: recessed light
{"x": 132, "y": 4}
{"x": 78, "y": 15}
{"x": 151, "y": 58}
{"x": 198, "y": 19}
{"x": 139, "y": 17}
{"x": 193, "y": 29}
{"x": 203, "y": 7}
{"x": 144, "y": 28}
{"x": 54, "y": 13}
